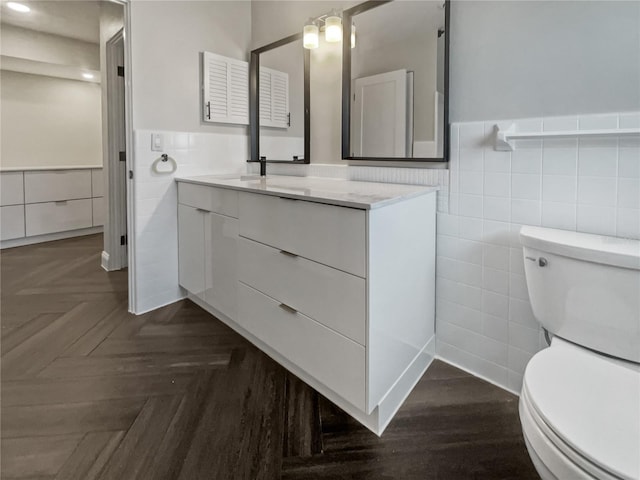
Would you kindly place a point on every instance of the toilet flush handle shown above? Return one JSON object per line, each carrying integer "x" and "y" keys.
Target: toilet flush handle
{"x": 543, "y": 262}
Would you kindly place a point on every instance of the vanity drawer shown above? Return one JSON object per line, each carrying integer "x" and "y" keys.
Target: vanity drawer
{"x": 51, "y": 217}
{"x": 56, "y": 185}
{"x": 334, "y": 236}
{"x": 212, "y": 199}
{"x": 11, "y": 188}
{"x": 329, "y": 357}
{"x": 11, "y": 222}
{"x": 332, "y": 297}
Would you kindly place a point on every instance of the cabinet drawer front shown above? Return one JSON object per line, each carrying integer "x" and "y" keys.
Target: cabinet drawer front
{"x": 55, "y": 185}
{"x": 98, "y": 211}
{"x": 332, "y": 297}
{"x": 97, "y": 183}
{"x": 334, "y": 236}
{"x": 51, "y": 217}
{"x": 11, "y": 222}
{"x": 11, "y": 188}
{"x": 216, "y": 200}
{"x": 332, "y": 359}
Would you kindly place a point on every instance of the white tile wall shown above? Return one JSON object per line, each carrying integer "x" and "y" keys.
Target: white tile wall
{"x": 484, "y": 319}
{"x": 155, "y": 205}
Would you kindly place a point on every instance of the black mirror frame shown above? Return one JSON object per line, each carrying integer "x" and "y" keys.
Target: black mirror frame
{"x": 346, "y": 85}
{"x": 254, "y": 99}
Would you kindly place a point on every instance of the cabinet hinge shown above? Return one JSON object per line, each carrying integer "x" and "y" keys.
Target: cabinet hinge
{"x": 130, "y": 174}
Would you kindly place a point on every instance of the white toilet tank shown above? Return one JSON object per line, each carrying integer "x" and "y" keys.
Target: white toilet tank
{"x": 585, "y": 288}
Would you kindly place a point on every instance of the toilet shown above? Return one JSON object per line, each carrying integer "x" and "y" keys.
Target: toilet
{"x": 580, "y": 400}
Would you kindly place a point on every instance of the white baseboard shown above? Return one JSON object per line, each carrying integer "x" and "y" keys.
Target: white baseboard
{"x": 21, "y": 242}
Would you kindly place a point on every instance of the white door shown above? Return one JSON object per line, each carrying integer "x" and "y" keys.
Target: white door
{"x": 379, "y": 115}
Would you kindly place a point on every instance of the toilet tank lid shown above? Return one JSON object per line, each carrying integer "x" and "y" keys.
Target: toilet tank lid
{"x": 619, "y": 252}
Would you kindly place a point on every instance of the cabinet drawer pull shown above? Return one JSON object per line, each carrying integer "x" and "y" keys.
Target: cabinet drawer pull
{"x": 61, "y": 202}
{"x": 287, "y": 308}
{"x": 202, "y": 210}
{"x": 288, "y": 254}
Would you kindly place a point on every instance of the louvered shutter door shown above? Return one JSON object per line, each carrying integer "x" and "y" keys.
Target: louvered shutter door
{"x": 226, "y": 89}
{"x": 274, "y": 98}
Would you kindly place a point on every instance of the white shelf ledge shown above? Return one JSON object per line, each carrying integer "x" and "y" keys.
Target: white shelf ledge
{"x": 506, "y": 137}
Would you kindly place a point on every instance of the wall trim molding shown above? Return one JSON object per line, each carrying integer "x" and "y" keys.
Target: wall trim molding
{"x": 50, "y": 237}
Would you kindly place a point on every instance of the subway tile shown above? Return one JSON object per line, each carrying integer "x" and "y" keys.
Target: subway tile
{"x": 518, "y": 287}
{"x": 447, "y": 224}
{"x": 469, "y": 273}
{"x": 447, "y": 246}
{"x": 526, "y": 160}
{"x": 470, "y": 206}
{"x": 516, "y": 261}
{"x": 457, "y": 314}
{"x": 472, "y": 135}
{"x": 468, "y": 296}
{"x": 495, "y": 327}
{"x": 496, "y": 233}
{"x": 496, "y": 281}
{"x": 629, "y": 162}
{"x": 628, "y": 193}
{"x": 526, "y": 212}
{"x": 525, "y": 186}
{"x": 497, "y": 208}
{"x": 628, "y": 223}
{"x": 520, "y": 312}
{"x": 596, "y": 219}
{"x": 514, "y": 235}
{"x": 559, "y": 161}
{"x": 559, "y": 215}
{"x": 497, "y": 162}
{"x": 493, "y": 351}
{"x": 598, "y": 162}
{"x": 559, "y": 188}
{"x": 470, "y": 251}
{"x": 524, "y": 338}
{"x": 471, "y": 160}
{"x": 470, "y": 228}
{"x": 497, "y": 184}
{"x": 629, "y": 120}
{"x": 495, "y": 304}
{"x": 494, "y": 256}
{"x": 471, "y": 182}
{"x": 598, "y": 122}
{"x": 446, "y": 268}
{"x": 529, "y": 125}
{"x": 514, "y": 382}
{"x": 597, "y": 191}
{"x": 518, "y": 359}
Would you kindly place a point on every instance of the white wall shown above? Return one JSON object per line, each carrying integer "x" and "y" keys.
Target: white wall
{"x": 49, "y": 122}
{"x": 166, "y": 40}
{"x": 519, "y": 59}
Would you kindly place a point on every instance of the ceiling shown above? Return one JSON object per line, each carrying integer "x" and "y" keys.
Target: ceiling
{"x": 79, "y": 19}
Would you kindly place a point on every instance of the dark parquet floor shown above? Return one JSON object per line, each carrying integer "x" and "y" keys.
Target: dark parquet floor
{"x": 90, "y": 391}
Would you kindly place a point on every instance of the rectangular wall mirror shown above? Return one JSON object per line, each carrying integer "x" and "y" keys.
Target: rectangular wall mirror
{"x": 395, "y": 81}
{"x": 279, "y": 102}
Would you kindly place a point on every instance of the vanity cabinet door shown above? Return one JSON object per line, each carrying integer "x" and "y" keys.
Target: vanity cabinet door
{"x": 221, "y": 271}
{"x": 191, "y": 249}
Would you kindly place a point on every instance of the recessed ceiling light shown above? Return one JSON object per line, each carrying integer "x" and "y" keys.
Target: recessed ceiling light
{"x": 88, "y": 76}
{"x": 18, "y": 7}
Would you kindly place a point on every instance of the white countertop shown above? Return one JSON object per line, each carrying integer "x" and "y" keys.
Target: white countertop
{"x": 346, "y": 193}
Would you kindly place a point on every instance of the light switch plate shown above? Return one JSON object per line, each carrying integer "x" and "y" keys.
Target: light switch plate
{"x": 157, "y": 142}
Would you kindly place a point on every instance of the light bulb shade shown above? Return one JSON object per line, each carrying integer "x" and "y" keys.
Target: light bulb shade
{"x": 353, "y": 35}
{"x": 310, "y": 34}
{"x": 333, "y": 29}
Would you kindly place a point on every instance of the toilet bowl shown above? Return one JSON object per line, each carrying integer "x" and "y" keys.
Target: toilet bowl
{"x": 580, "y": 400}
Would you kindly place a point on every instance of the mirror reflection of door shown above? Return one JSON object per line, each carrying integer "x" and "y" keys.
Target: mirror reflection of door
{"x": 281, "y": 102}
{"x": 397, "y": 81}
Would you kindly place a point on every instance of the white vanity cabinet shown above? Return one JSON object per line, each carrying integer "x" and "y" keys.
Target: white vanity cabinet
{"x": 342, "y": 296}
{"x": 208, "y": 244}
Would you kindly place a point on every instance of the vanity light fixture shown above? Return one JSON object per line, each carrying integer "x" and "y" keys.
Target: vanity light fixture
{"x": 310, "y": 34}
{"x": 333, "y": 27}
{"x": 18, "y": 7}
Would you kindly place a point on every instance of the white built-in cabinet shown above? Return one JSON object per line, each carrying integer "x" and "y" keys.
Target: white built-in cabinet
{"x": 225, "y": 89}
{"x": 38, "y": 203}
{"x": 342, "y": 297}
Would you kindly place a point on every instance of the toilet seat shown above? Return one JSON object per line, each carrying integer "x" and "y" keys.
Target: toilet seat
{"x": 580, "y": 413}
